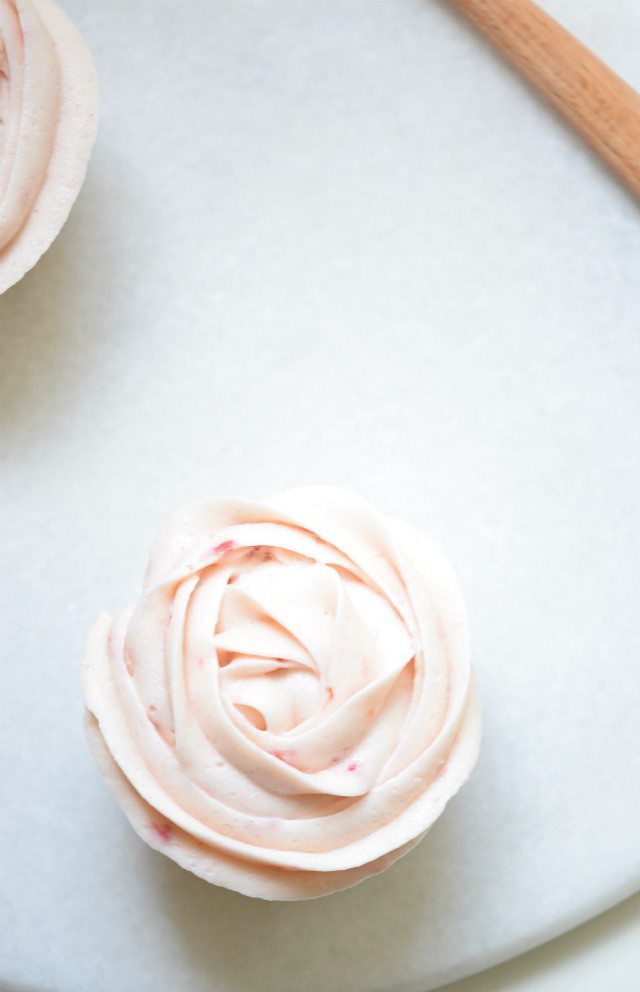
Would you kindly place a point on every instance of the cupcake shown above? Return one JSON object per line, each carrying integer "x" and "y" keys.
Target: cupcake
{"x": 289, "y": 706}
{"x": 48, "y": 114}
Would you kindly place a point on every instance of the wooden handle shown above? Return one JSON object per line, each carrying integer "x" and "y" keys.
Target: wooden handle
{"x": 599, "y": 104}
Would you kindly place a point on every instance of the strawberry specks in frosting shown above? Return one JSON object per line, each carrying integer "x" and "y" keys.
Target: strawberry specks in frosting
{"x": 128, "y": 660}
{"x": 221, "y": 549}
{"x": 162, "y": 831}
{"x": 166, "y": 733}
{"x": 307, "y": 752}
{"x": 287, "y": 756}
{"x": 259, "y": 553}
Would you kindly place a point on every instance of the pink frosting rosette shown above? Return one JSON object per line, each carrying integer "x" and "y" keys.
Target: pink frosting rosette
{"x": 48, "y": 115}
{"x": 290, "y": 705}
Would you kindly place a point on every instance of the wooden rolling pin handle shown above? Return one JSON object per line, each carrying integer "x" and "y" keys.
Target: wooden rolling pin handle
{"x": 599, "y": 104}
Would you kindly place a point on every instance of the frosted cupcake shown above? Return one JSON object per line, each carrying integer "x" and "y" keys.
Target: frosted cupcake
{"x": 290, "y": 705}
{"x": 48, "y": 114}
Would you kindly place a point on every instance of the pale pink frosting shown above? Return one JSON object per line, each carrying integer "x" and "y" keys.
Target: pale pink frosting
{"x": 290, "y": 705}
{"x": 48, "y": 110}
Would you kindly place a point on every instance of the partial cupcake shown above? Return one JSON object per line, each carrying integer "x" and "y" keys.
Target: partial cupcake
{"x": 48, "y": 117}
{"x": 290, "y": 705}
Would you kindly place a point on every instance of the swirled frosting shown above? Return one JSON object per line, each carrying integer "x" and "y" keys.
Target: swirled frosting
{"x": 47, "y": 123}
{"x": 289, "y": 706}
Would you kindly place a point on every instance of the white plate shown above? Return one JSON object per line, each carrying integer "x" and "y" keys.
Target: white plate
{"x": 603, "y": 953}
{"x": 331, "y": 242}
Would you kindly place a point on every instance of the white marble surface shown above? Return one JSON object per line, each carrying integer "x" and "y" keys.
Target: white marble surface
{"x": 330, "y": 242}
{"x": 601, "y": 954}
